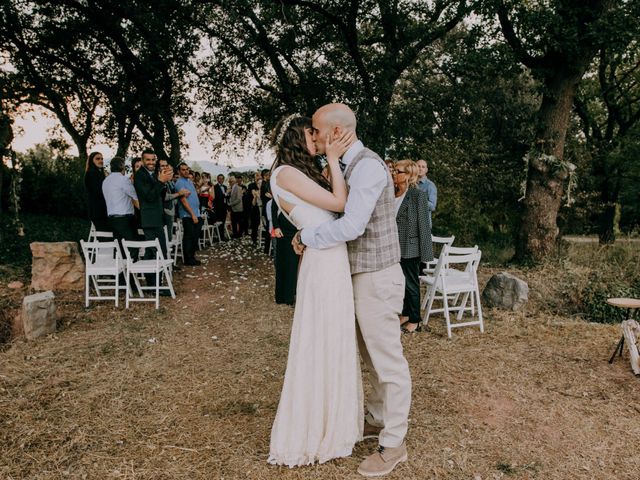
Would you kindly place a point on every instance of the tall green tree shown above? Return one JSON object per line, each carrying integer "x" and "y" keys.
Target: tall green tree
{"x": 556, "y": 41}
{"x": 272, "y": 57}
{"x": 608, "y": 105}
{"x": 137, "y": 55}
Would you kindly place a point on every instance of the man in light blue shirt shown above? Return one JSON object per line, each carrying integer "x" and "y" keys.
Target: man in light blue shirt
{"x": 189, "y": 212}
{"x": 120, "y": 197}
{"x": 427, "y": 186}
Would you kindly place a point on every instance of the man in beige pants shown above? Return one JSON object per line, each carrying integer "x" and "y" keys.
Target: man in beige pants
{"x": 369, "y": 228}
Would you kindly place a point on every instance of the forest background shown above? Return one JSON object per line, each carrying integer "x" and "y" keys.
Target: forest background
{"x": 527, "y": 112}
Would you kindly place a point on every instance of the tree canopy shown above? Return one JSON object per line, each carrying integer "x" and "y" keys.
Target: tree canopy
{"x": 509, "y": 101}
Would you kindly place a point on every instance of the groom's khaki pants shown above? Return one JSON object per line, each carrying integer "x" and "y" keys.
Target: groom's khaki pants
{"x": 378, "y": 300}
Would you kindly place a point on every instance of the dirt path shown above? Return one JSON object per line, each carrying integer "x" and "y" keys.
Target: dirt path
{"x": 190, "y": 392}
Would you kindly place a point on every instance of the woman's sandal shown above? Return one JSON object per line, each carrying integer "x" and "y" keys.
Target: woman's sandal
{"x": 404, "y": 329}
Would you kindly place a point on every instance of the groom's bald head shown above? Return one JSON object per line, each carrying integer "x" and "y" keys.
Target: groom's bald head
{"x": 333, "y": 119}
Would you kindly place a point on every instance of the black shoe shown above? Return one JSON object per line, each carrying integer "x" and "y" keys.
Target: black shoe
{"x": 193, "y": 263}
{"x": 165, "y": 293}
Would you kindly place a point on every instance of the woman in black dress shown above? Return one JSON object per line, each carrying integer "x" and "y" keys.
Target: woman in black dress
{"x": 286, "y": 261}
{"x": 93, "y": 178}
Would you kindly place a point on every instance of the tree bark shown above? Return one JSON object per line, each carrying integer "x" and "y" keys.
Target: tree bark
{"x": 545, "y": 182}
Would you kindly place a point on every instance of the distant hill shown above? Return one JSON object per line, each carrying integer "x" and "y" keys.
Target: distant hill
{"x": 216, "y": 169}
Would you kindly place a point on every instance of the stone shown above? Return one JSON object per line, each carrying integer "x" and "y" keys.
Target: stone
{"x": 38, "y": 314}
{"x": 15, "y": 285}
{"x": 505, "y": 291}
{"x": 56, "y": 266}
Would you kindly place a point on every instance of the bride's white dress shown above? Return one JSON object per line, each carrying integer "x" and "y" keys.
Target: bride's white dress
{"x": 320, "y": 414}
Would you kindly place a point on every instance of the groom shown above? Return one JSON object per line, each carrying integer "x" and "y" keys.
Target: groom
{"x": 369, "y": 228}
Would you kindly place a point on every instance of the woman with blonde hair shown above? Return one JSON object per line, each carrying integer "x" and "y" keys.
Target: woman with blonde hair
{"x": 414, "y": 232}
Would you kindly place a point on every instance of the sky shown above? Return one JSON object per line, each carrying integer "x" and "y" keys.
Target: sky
{"x": 34, "y": 127}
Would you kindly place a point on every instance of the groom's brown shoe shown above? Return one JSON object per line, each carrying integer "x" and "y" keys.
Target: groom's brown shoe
{"x": 370, "y": 431}
{"x": 383, "y": 461}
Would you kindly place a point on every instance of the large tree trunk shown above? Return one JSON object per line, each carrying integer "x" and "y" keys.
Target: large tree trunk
{"x": 545, "y": 180}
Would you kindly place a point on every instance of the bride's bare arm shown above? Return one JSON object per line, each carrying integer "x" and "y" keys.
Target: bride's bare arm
{"x": 303, "y": 187}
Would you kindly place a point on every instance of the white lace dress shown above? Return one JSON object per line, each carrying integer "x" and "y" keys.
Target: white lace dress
{"x": 320, "y": 414}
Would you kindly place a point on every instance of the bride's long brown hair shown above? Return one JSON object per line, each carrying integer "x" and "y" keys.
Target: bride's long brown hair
{"x": 291, "y": 149}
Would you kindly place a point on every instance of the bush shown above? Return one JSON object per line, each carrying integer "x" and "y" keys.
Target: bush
{"x": 52, "y": 183}
{"x": 594, "y": 300}
{"x": 15, "y": 251}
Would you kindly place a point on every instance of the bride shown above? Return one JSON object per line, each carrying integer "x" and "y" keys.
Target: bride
{"x": 320, "y": 414}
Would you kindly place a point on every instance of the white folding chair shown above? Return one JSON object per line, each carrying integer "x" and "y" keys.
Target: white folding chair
{"x": 173, "y": 245}
{"x": 159, "y": 266}
{"x": 178, "y": 234}
{"x": 448, "y": 241}
{"x": 451, "y": 284}
{"x": 453, "y": 271}
{"x": 216, "y": 230}
{"x": 103, "y": 266}
{"x": 206, "y": 234}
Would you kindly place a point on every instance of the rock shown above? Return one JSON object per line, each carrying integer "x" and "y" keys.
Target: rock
{"x": 56, "y": 266}
{"x": 15, "y": 285}
{"x": 505, "y": 291}
{"x": 38, "y": 314}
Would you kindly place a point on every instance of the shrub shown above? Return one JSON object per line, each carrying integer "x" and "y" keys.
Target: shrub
{"x": 52, "y": 183}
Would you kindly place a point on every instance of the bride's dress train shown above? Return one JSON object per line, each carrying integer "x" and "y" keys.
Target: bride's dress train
{"x": 320, "y": 414}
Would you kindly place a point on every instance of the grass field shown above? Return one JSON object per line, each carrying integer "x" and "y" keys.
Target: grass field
{"x": 190, "y": 391}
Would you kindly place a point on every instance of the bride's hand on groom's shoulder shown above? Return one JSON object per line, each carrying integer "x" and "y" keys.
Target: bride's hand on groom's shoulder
{"x": 336, "y": 147}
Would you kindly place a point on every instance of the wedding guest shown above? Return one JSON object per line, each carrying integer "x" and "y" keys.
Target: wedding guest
{"x": 286, "y": 261}
{"x": 389, "y": 163}
{"x": 189, "y": 212}
{"x": 265, "y": 196}
{"x": 136, "y": 163}
{"x": 121, "y": 198}
{"x": 150, "y": 189}
{"x": 254, "y": 208}
{"x": 205, "y": 192}
{"x": 427, "y": 186}
{"x": 235, "y": 203}
{"x": 414, "y": 232}
{"x": 171, "y": 196}
{"x": 220, "y": 199}
{"x": 247, "y": 202}
{"x": 93, "y": 177}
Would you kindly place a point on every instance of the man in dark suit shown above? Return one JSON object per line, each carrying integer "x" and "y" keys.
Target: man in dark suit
{"x": 220, "y": 203}
{"x": 150, "y": 189}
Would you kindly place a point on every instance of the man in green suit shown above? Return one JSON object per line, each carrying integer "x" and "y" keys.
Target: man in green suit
{"x": 150, "y": 187}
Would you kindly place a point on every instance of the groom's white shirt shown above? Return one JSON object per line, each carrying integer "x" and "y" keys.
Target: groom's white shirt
{"x": 364, "y": 190}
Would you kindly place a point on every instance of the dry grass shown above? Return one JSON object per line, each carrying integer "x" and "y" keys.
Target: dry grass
{"x": 190, "y": 391}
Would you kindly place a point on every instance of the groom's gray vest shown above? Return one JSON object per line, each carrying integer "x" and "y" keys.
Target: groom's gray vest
{"x": 379, "y": 247}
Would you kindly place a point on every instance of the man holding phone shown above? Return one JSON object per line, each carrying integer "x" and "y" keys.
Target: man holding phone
{"x": 151, "y": 189}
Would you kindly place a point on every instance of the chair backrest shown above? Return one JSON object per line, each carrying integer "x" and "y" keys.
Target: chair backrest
{"x": 93, "y": 251}
{"x": 461, "y": 250}
{"x": 468, "y": 264}
{"x": 91, "y": 232}
{"x": 134, "y": 244}
{"x": 444, "y": 240}
{"x": 441, "y": 241}
{"x": 94, "y": 234}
